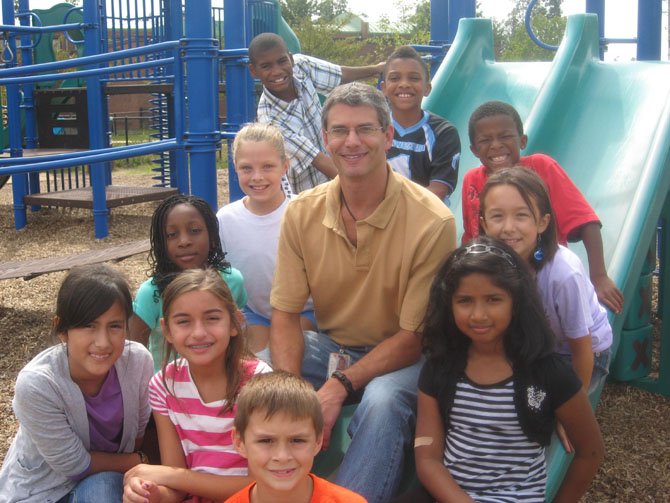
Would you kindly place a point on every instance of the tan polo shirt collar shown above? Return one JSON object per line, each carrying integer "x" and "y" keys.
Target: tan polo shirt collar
{"x": 380, "y": 218}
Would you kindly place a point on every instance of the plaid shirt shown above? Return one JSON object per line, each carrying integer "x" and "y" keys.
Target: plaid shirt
{"x": 300, "y": 119}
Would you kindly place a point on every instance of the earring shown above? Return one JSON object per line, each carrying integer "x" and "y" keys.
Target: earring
{"x": 538, "y": 254}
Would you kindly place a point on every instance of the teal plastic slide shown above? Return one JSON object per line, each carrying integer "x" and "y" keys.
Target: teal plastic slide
{"x": 607, "y": 124}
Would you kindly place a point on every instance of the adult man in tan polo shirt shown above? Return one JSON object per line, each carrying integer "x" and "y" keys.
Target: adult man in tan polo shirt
{"x": 366, "y": 246}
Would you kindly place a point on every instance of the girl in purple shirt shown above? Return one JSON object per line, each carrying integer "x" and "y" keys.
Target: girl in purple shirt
{"x": 82, "y": 404}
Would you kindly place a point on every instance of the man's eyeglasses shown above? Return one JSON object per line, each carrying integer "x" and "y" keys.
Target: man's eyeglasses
{"x": 340, "y": 133}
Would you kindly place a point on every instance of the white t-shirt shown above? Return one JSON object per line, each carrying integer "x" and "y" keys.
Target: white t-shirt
{"x": 251, "y": 242}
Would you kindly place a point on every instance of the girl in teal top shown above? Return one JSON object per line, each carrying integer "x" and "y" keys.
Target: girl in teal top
{"x": 184, "y": 235}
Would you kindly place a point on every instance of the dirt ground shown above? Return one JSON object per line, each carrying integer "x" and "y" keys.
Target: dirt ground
{"x": 635, "y": 424}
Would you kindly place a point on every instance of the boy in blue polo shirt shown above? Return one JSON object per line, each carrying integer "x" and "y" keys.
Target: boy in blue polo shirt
{"x": 426, "y": 148}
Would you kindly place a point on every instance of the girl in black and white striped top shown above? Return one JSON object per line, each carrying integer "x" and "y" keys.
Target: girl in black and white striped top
{"x": 492, "y": 388}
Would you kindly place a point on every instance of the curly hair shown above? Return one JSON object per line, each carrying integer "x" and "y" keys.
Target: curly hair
{"x": 162, "y": 268}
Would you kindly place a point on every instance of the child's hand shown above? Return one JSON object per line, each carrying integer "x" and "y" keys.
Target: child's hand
{"x": 563, "y": 437}
{"x": 158, "y": 474}
{"x": 136, "y": 490}
{"x": 608, "y": 294}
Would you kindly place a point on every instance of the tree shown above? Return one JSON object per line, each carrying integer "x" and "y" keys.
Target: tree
{"x": 298, "y": 11}
{"x": 330, "y": 9}
{"x": 512, "y": 42}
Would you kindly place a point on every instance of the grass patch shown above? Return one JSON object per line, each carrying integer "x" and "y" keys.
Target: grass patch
{"x": 143, "y": 164}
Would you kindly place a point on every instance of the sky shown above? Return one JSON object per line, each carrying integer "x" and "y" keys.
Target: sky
{"x": 620, "y": 18}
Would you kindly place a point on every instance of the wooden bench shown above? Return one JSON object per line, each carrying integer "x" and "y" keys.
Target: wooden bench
{"x": 29, "y": 269}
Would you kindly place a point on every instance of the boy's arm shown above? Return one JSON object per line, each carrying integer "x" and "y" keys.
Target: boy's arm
{"x": 351, "y": 73}
{"x": 325, "y": 164}
{"x": 440, "y": 189}
{"x": 445, "y": 160}
{"x": 605, "y": 288}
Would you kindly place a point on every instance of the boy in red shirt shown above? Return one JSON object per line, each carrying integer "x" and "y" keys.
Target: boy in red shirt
{"x": 496, "y": 138}
{"x": 279, "y": 429}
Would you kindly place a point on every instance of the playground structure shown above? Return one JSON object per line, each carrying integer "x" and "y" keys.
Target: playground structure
{"x": 608, "y": 124}
{"x": 161, "y": 46}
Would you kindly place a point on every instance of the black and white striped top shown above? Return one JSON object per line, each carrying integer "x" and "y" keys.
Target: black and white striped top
{"x": 486, "y": 451}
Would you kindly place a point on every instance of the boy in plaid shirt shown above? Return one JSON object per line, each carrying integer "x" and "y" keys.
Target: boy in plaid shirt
{"x": 290, "y": 101}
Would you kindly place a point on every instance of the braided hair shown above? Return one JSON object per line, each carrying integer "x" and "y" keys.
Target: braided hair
{"x": 161, "y": 268}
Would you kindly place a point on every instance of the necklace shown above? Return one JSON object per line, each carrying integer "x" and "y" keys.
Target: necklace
{"x": 344, "y": 201}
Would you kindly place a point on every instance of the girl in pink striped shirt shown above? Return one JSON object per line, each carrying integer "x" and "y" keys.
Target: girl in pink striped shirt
{"x": 193, "y": 398}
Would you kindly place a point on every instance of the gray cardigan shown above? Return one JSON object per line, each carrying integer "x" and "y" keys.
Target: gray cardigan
{"x": 52, "y": 443}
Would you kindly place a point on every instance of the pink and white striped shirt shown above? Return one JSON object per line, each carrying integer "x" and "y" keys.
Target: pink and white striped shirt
{"x": 204, "y": 432}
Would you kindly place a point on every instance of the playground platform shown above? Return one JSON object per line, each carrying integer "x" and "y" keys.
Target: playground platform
{"x": 116, "y": 195}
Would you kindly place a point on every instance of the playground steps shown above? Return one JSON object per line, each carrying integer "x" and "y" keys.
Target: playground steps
{"x": 116, "y": 195}
{"x": 29, "y": 269}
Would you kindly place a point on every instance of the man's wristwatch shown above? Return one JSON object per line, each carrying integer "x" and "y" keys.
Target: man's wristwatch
{"x": 344, "y": 380}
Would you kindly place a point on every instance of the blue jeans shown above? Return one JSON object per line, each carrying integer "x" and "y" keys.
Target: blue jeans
{"x": 601, "y": 365}
{"x": 103, "y": 486}
{"x": 382, "y": 428}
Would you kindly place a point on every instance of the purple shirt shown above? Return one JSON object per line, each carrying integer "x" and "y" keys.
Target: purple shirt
{"x": 105, "y": 418}
{"x": 571, "y": 303}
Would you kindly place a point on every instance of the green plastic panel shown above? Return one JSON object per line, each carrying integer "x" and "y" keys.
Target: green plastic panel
{"x": 608, "y": 125}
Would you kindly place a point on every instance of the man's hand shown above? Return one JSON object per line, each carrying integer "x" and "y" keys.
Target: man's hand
{"x": 331, "y": 395}
{"x": 608, "y": 294}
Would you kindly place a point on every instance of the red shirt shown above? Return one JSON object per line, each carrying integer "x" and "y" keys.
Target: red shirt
{"x": 323, "y": 492}
{"x": 571, "y": 209}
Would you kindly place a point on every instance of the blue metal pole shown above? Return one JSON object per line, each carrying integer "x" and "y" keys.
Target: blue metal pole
{"x": 181, "y": 167}
{"x": 457, "y": 10}
{"x": 87, "y": 156}
{"x": 94, "y": 60}
{"x": 29, "y": 96}
{"x": 439, "y": 22}
{"x": 237, "y": 82}
{"x": 97, "y": 128}
{"x": 46, "y": 163}
{"x": 444, "y": 18}
{"x": 28, "y": 89}
{"x": 82, "y": 73}
{"x": 202, "y": 138}
{"x": 43, "y": 29}
{"x": 178, "y": 158}
{"x": 649, "y": 30}
{"x": 19, "y": 181}
{"x": 253, "y": 8}
{"x": 598, "y": 7}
